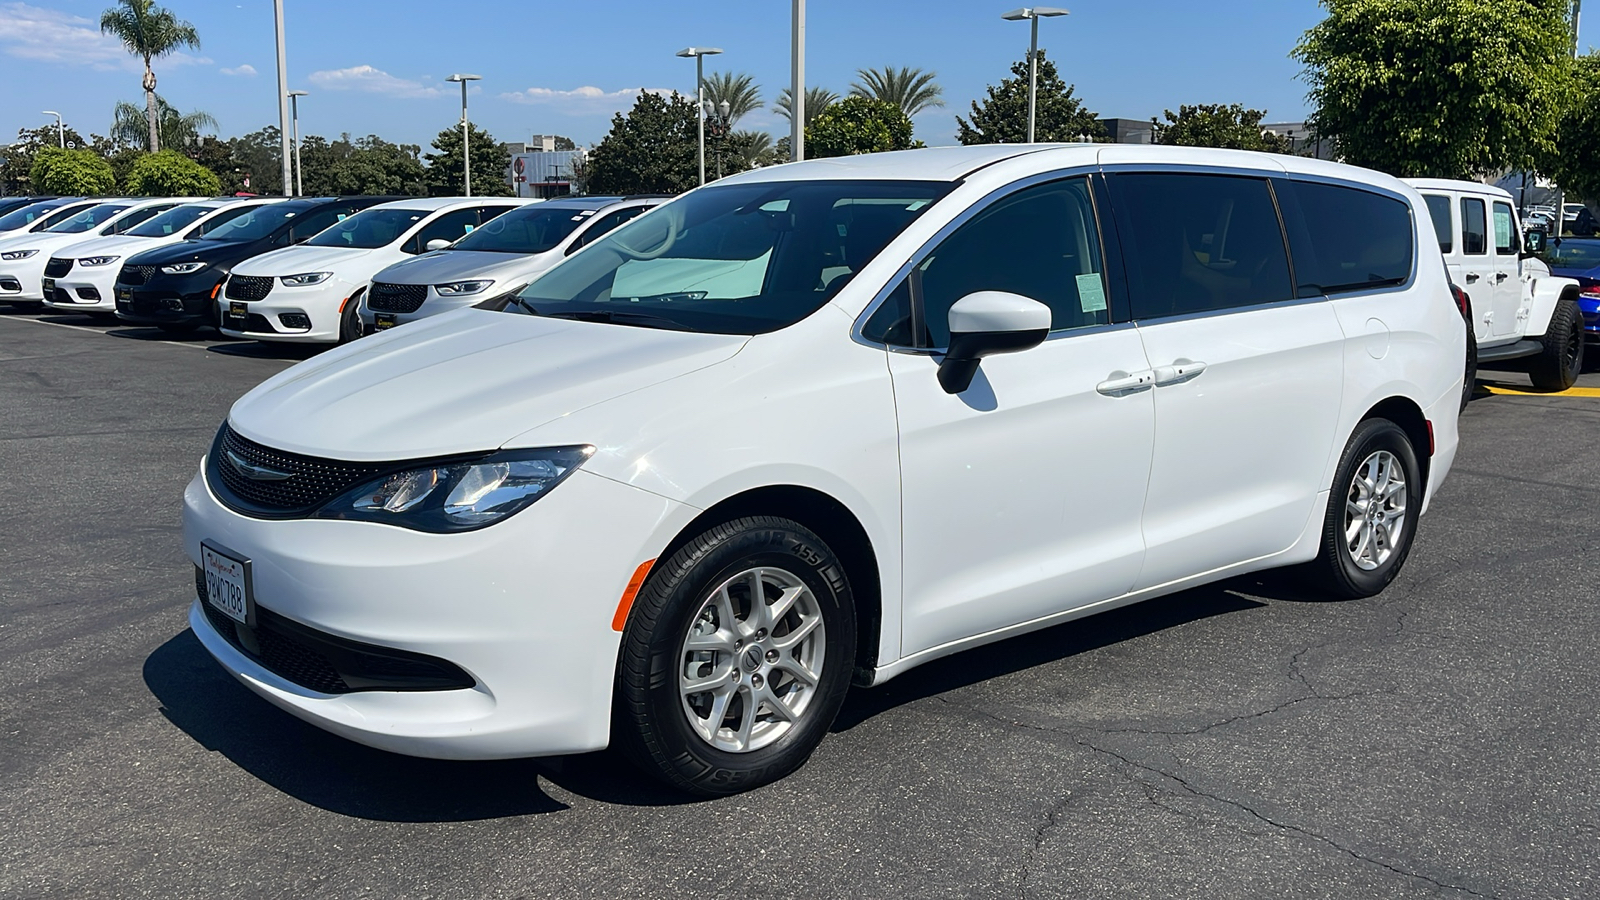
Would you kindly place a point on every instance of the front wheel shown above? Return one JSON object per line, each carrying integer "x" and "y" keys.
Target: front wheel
{"x": 735, "y": 658}
{"x": 1557, "y": 367}
{"x": 1372, "y": 513}
{"x": 350, "y": 320}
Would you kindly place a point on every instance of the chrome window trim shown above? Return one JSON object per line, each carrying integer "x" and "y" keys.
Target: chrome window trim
{"x": 962, "y": 218}
{"x": 1233, "y": 310}
{"x": 1053, "y": 336}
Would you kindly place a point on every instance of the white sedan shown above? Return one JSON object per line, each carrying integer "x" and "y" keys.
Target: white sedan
{"x": 24, "y": 257}
{"x": 309, "y": 293}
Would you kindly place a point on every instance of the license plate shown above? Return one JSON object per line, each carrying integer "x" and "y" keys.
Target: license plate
{"x": 227, "y": 583}
{"x": 49, "y": 285}
{"x": 383, "y": 320}
{"x": 235, "y": 308}
{"x": 124, "y": 296}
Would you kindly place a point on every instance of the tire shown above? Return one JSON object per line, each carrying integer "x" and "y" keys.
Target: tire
{"x": 666, "y": 728}
{"x": 1344, "y": 572}
{"x": 1470, "y": 384}
{"x": 1557, "y": 367}
{"x": 350, "y": 320}
{"x": 178, "y": 327}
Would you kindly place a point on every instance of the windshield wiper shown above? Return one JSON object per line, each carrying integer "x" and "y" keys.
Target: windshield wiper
{"x": 644, "y": 320}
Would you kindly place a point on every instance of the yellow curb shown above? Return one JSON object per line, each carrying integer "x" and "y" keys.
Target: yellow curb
{"x": 1520, "y": 392}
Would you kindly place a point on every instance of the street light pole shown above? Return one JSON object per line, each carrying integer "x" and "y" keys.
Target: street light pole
{"x": 797, "y": 84}
{"x": 699, "y": 54}
{"x": 1033, "y": 14}
{"x": 61, "y": 130}
{"x": 283, "y": 99}
{"x": 1561, "y": 193}
{"x": 466, "y": 146}
{"x": 299, "y": 170}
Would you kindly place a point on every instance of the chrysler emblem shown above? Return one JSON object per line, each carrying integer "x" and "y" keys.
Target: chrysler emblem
{"x": 254, "y": 472}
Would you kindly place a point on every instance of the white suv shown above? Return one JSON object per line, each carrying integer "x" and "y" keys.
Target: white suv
{"x": 1517, "y": 309}
{"x": 814, "y": 425}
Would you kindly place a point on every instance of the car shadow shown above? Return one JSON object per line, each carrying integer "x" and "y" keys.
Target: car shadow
{"x": 269, "y": 350}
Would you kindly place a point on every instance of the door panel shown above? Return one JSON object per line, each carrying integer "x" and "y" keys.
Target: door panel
{"x": 1505, "y": 285}
{"x": 1477, "y": 266}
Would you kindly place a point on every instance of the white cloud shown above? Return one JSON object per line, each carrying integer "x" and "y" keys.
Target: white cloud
{"x": 47, "y": 35}
{"x": 586, "y": 99}
{"x": 245, "y": 70}
{"x": 372, "y": 81}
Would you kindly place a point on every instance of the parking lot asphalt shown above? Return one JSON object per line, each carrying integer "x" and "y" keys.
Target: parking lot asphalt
{"x": 1238, "y": 740}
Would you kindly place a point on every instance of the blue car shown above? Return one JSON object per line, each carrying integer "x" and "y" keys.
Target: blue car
{"x": 1579, "y": 258}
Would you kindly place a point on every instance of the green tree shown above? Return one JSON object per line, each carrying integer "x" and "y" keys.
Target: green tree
{"x": 751, "y": 149}
{"x": 739, "y": 90}
{"x": 649, "y": 151}
{"x": 817, "y": 100}
{"x": 148, "y": 32}
{"x": 1002, "y": 117}
{"x": 858, "y": 125}
{"x": 71, "y": 172}
{"x": 490, "y": 159}
{"x": 1574, "y": 158}
{"x": 214, "y": 154}
{"x": 1442, "y": 88}
{"x": 176, "y": 130}
{"x": 370, "y": 165}
{"x": 258, "y": 157}
{"x": 1215, "y": 125}
{"x": 913, "y": 90}
{"x": 16, "y": 159}
{"x": 168, "y": 173}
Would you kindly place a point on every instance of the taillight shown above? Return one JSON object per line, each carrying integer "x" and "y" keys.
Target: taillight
{"x": 1591, "y": 289}
{"x": 1463, "y": 302}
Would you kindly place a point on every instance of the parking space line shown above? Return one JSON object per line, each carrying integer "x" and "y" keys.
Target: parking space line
{"x": 83, "y": 330}
{"x": 1529, "y": 392}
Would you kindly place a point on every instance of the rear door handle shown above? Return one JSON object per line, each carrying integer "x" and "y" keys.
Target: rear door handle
{"x": 1121, "y": 383}
{"x": 1180, "y": 371}
{"x": 1499, "y": 277}
{"x": 1472, "y": 279}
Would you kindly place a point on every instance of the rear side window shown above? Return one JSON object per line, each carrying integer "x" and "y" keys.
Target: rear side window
{"x": 1353, "y": 239}
{"x": 1439, "y": 209}
{"x": 1196, "y": 243}
{"x": 1474, "y": 227}
{"x": 1505, "y": 230}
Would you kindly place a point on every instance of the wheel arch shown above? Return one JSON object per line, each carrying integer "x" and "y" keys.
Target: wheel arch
{"x": 1404, "y": 412}
{"x": 838, "y": 527}
{"x": 1548, "y": 293}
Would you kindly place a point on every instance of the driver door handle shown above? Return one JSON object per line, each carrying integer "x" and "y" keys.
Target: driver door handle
{"x": 1180, "y": 371}
{"x": 1472, "y": 279}
{"x": 1121, "y": 383}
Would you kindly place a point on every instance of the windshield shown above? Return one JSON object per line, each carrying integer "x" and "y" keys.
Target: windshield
{"x": 171, "y": 222}
{"x": 369, "y": 229}
{"x": 532, "y": 229}
{"x": 92, "y": 217}
{"x": 1571, "y": 253}
{"x": 27, "y": 215}
{"x": 740, "y": 259}
{"x": 256, "y": 223}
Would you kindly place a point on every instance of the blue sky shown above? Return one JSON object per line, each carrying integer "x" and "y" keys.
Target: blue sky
{"x": 377, "y": 66}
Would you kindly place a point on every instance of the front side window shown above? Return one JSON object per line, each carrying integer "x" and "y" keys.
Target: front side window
{"x": 93, "y": 217}
{"x": 536, "y": 228}
{"x": 452, "y": 226}
{"x": 368, "y": 229}
{"x": 1352, "y": 239}
{"x": 1444, "y": 226}
{"x": 1196, "y": 243}
{"x": 1040, "y": 242}
{"x": 171, "y": 222}
{"x": 1474, "y": 227}
{"x": 135, "y": 218}
{"x": 1505, "y": 231}
{"x": 605, "y": 224}
{"x": 734, "y": 259}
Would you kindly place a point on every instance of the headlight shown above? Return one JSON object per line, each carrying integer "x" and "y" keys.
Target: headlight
{"x": 98, "y": 260}
{"x": 18, "y": 254}
{"x": 305, "y": 278}
{"x": 188, "y": 268}
{"x": 459, "y": 496}
{"x": 462, "y": 288}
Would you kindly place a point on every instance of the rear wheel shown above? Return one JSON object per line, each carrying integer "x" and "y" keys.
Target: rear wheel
{"x": 1557, "y": 367}
{"x": 735, "y": 658}
{"x": 1372, "y": 513}
{"x": 1470, "y": 384}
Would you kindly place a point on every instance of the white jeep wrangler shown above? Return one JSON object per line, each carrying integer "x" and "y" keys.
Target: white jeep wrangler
{"x": 1517, "y": 309}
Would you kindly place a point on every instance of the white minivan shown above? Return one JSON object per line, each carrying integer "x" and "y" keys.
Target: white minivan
{"x": 813, "y": 425}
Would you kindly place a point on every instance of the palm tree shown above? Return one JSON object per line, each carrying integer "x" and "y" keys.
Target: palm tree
{"x": 913, "y": 90}
{"x": 149, "y": 32}
{"x": 752, "y": 148}
{"x": 739, "y": 91}
{"x": 130, "y": 126}
{"x": 817, "y": 100}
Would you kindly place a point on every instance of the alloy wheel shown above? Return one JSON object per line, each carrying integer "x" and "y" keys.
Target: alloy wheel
{"x": 1375, "y": 510}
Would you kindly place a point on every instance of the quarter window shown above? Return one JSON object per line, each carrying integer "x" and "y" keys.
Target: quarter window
{"x": 1353, "y": 239}
{"x": 1505, "y": 231}
{"x": 1040, "y": 242}
{"x": 1474, "y": 228}
{"x": 1195, "y": 243}
{"x": 1443, "y": 222}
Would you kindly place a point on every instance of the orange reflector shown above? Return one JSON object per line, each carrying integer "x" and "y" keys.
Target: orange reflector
{"x": 634, "y": 583}
{"x": 215, "y": 289}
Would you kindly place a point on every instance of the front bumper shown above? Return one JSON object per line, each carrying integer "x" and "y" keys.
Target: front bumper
{"x": 169, "y": 300}
{"x": 1589, "y": 305}
{"x": 523, "y": 606}
{"x": 303, "y": 315}
{"x": 21, "y": 281}
{"x": 85, "y": 290}
{"x": 432, "y": 305}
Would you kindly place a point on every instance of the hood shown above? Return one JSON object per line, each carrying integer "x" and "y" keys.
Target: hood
{"x": 1584, "y": 274}
{"x": 444, "y": 266}
{"x": 215, "y": 252}
{"x": 110, "y": 245}
{"x": 294, "y": 260}
{"x": 42, "y": 241}
{"x": 463, "y": 382}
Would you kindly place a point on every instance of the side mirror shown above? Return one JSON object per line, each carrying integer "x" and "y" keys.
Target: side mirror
{"x": 437, "y": 244}
{"x": 1533, "y": 243}
{"x": 984, "y": 324}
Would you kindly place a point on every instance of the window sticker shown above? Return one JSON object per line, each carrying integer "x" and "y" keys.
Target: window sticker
{"x": 1091, "y": 293}
{"x": 1502, "y": 226}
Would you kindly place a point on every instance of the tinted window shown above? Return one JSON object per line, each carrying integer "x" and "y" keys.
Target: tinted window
{"x": 605, "y": 224}
{"x": 531, "y": 229}
{"x": 1193, "y": 243}
{"x": 93, "y": 217}
{"x": 452, "y": 226}
{"x": 137, "y": 217}
{"x": 228, "y": 214}
{"x": 736, "y": 259}
{"x": 311, "y": 224}
{"x": 1443, "y": 224}
{"x": 1040, "y": 242}
{"x": 26, "y": 216}
{"x": 255, "y": 223}
{"x": 1352, "y": 239}
{"x": 368, "y": 229}
{"x": 1474, "y": 228}
{"x": 1505, "y": 231}
{"x": 1573, "y": 253}
{"x": 172, "y": 221}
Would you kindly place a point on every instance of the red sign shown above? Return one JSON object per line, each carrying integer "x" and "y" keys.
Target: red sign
{"x": 518, "y": 165}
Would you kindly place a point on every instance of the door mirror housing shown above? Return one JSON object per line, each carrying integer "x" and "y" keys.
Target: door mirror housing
{"x": 1533, "y": 243}
{"x": 987, "y": 323}
{"x": 436, "y": 244}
